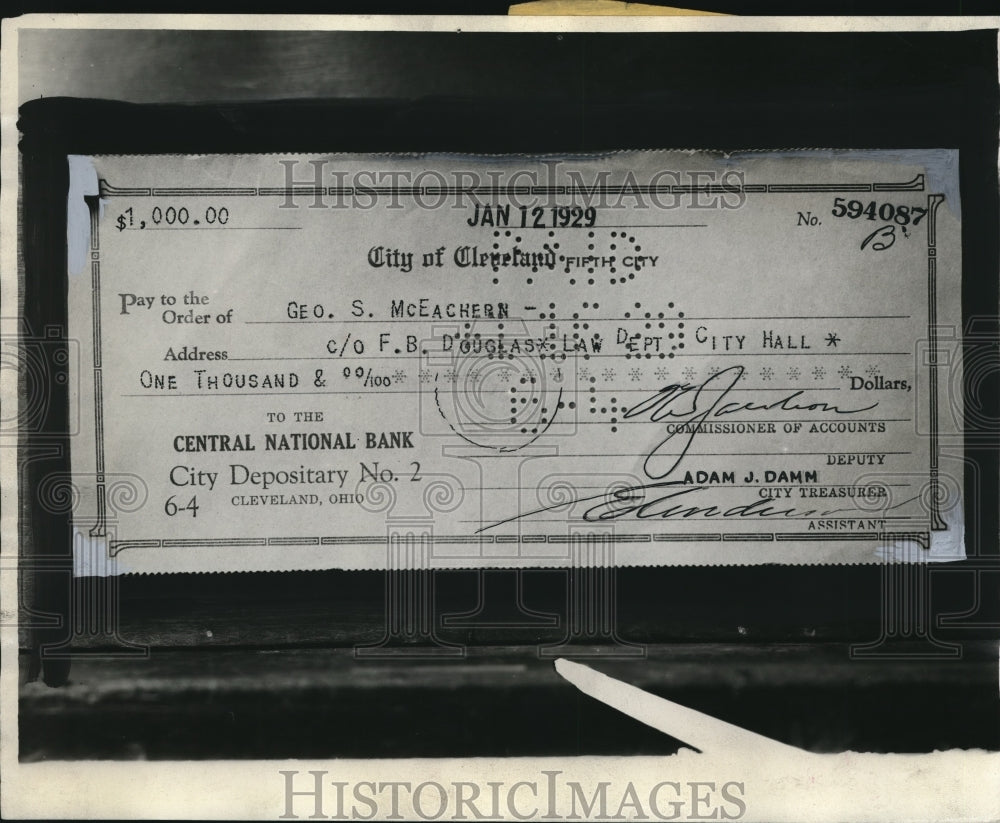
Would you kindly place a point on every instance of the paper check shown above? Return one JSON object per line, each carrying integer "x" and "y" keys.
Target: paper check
{"x": 350, "y": 361}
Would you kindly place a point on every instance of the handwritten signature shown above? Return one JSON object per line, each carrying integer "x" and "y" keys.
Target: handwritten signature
{"x": 673, "y": 499}
{"x": 691, "y": 405}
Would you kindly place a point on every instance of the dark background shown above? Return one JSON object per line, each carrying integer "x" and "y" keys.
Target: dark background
{"x": 262, "y": 665}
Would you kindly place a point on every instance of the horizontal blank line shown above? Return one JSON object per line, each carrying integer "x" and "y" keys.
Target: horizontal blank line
{"x": 223, "y": 228}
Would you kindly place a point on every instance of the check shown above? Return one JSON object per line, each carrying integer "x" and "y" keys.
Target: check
{"x": 448, "y": 361}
